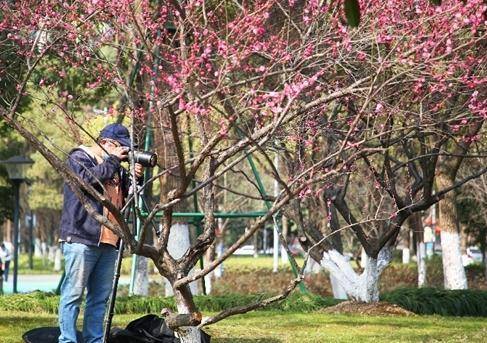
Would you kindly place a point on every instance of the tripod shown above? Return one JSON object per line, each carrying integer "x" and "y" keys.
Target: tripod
{"x": 129, "y": 208}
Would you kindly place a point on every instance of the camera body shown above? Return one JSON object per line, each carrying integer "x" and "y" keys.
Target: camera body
{"x": 145, "y": 158}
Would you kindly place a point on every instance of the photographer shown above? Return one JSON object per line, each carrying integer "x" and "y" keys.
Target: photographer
{"x": 89, "y": 249}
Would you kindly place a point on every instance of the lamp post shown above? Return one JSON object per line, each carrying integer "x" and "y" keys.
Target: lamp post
{"x": 17, "y": 167}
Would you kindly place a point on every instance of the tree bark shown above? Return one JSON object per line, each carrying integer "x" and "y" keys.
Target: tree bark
{"x": 178, "y": 244}
{"x": 185, "y": 305}
{"x": 359, "y": 287}
{"x": 141, "y": 281}
{"x": 57, "y": 260}
{"x": 336, "y": 238}
{"x": 454, "y": 273}
{"x": 209, "y": 257}
{"x": 416, "y": 226}
{"x": 285, "y": 226}
{"x": 421, "y": 258}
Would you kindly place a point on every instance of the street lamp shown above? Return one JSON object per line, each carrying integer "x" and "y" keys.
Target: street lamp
{"x": 17, "y": 167}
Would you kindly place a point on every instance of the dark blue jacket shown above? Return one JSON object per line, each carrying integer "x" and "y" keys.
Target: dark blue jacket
{"x": 76, "y": 224}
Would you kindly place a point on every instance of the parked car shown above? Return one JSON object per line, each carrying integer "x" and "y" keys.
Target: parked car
{"x": 246, "y": 250}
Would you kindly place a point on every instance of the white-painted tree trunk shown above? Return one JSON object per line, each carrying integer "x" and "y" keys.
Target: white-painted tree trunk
{"x": 312, "y": 267}
{"x": 406, "y": 256}
{"x": 363, "y": 287}
{"x": 186, "y": 334}
{"x": 219, "y": 251}
{"x": 208, "y": 282}
{"x": 275, "y": 249}
{"x": 57, "y": 259}
{"x": 37, "y": 248}
{"x": 141, "y": 280}
{"x": 177, "y": 245}
{"x": 338, "y": 291}
{"x": 421, "y": 259}
{"x": 363, "y": 258}
{"x": 208, "y": 277}
{"x": 44, "y": 252}
{"x": 454, "y": 273}
{"x": 284, "y": 257}
{"x": 51, "y": 253}
{"x": 285, "y": 229}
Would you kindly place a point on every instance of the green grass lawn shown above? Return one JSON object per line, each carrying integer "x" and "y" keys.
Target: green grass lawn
{"x": 275, "y": 326}
{"x": 250, "y": 262}
{"x": 235, "y": 262}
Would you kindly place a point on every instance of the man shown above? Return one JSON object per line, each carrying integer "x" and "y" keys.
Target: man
{"x": 6, "y": 257}
{"x": 90, "y": 249}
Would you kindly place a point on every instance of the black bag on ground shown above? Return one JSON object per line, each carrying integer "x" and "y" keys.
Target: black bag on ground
{"x": 45, "y": 335}
{"x": 148, "y": 329}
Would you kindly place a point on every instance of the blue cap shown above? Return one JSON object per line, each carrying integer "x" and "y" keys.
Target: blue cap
{"x": 117, "y": 132}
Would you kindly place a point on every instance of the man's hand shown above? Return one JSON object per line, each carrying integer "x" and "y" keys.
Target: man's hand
{"x": 139, "y": 170}
{"x": 119, "y": 151}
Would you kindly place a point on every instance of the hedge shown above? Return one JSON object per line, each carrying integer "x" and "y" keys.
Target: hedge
{"x": 48, "y": 302}
{"x": 471, "y": 303}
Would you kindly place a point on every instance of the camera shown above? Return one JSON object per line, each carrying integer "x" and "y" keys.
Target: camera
{"x": 145, "y": 158}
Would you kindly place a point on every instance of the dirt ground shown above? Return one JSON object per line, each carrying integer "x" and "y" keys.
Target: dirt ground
{"x": 381, "y": 309}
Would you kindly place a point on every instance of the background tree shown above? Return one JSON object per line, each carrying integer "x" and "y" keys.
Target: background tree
{"x": 421, "y": 132}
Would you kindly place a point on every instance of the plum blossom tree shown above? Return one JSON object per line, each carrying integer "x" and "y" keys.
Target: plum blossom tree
{"x": 422, "y": 112}
{"x": 243, "y": 77}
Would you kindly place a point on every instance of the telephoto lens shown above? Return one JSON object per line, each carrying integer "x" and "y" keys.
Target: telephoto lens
{"x": 146, "y": 158}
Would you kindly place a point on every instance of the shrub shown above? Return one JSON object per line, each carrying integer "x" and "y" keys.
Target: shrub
{"x": 30, "y": 302}
{"x": 443, "y": 302}
{"x": 48, "y": 302}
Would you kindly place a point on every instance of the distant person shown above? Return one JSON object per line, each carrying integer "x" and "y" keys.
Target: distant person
{"x": 6, "y": 257}
{"x": 89, "y": 249}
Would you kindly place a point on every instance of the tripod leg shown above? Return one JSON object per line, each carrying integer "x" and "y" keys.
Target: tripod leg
{"x": 111, "y": 303}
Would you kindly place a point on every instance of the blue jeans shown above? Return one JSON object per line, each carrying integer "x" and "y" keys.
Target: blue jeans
{"x": 89, "y": 267}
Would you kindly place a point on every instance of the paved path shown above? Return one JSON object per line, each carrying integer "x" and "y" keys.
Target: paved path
{"x": 44, "y": 282}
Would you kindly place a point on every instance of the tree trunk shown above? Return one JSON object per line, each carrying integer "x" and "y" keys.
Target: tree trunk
{"x": 312, "y": 267}
{"x": 406, "y": 251}
{"x": 219, "y": 251}
{"x": 51, "y": 255}
{"x": 285, "y": 225}
{"x": 336, "y": 238}
{"x": 141, "y": 281}
{"x": 37, "y": 248}
{"x": 256, "y": 244}
{"x": 185, "y": 305}
{"x": 363, "y": 258}
{"x": 209, "y": 257}
{"x": 7, "y": 235}
{"x": 363, "y": 287}
{"x": 369, "y": 291}
{"x": 177, "y": 245}
{"x": 416, "y": 226}
{"x": 454, "y": 273}
{"x": 338, "y": 291}
{"x": 44, "y": 250}
{"x": 483, "y": 248}
{"x": 421, "y": 258}
{"x": 406, "y": 256}
{"x": 57, "y": 260}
